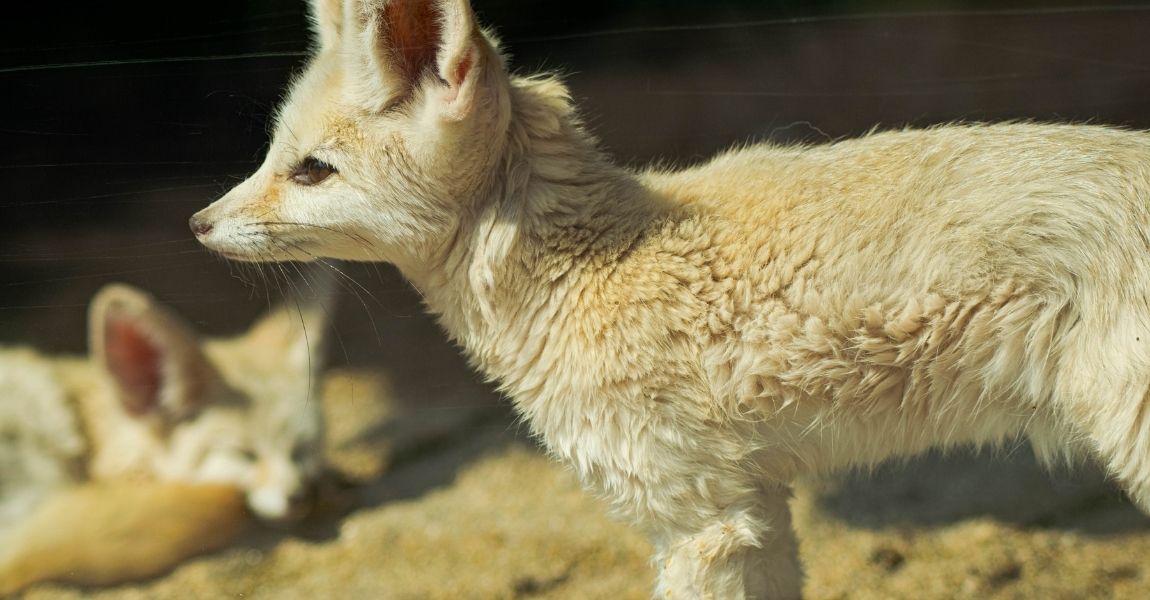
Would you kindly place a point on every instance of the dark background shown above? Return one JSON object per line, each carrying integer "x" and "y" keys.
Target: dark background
{"x": 122, "y": 119}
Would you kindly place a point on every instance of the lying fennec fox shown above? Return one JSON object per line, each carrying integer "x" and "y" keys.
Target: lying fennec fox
{"x": 120, "y": 465}
{"x": 691, "y": 341}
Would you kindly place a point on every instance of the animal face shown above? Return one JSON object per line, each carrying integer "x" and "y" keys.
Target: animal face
{"x": 398, "y": 121}
{"x": 242, "y": 411}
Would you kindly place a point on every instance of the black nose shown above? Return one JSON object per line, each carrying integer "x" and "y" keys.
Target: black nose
{"x": 199, "y": 226}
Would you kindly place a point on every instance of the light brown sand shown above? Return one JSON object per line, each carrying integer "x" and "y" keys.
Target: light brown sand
{"x": 462, "y": 506}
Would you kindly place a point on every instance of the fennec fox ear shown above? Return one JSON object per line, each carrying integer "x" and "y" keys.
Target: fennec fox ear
{"x": 326, "y": 17}
{"x": 152, "y": 355}
{"x": 402, "y": 47}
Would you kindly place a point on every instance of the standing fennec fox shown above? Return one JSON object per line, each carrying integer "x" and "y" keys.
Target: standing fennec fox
{"x": 119, "y": 465}
{"x": 692, "y": 341}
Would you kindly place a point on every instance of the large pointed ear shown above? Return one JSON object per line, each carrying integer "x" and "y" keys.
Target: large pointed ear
{"x": 326, "y": 17}
{"x": 401, "y": 46}
{"x": 152, "y": 355}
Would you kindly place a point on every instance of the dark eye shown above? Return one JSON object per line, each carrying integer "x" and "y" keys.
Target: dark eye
{"x": 311, "y": 171}
{"x": 247, "y": 454}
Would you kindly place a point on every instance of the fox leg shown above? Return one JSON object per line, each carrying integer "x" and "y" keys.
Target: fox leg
{"x": 1103, "y": 391}
{"x": 742, "y": 553}
{"x": 1121, "y": 436}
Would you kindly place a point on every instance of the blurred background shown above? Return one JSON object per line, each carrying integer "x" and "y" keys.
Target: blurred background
{"x": 122, "y": 119}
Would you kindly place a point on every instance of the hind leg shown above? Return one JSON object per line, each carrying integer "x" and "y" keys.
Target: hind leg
{"x": 1121, "y": 436}
{"x": 1105, "y": 393}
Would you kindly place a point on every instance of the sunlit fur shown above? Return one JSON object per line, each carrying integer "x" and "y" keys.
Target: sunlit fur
{"x": 239, "y": 411}
{"x": 109, "y": 532}
{"x": 691, "y": 341}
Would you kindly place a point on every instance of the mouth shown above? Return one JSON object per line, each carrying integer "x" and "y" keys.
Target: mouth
{"x": 264, "y": 256}
{"x": 274, "y": 250}
{"x": 236, "y": 256}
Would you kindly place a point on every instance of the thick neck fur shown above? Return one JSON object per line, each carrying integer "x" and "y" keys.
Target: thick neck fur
{"x": 557, "y": 214}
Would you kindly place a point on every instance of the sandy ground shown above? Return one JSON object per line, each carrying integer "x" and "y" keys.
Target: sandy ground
{"x": 452, "y": 501}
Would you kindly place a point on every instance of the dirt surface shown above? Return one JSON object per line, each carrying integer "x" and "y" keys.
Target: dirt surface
{"x": 466, "y": 507}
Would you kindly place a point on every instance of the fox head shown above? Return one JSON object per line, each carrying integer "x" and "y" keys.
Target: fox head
{"x": 384, "y": 144}
{"x": 242, "y": 411}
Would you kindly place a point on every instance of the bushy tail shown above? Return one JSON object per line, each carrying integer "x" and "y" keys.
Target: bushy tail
{"x": 102, "y": 534}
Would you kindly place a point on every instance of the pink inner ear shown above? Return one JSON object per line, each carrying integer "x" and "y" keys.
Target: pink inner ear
{"x": 461, "y": 71}
{"x": 134, "y": 361}
{"x": 413, "y": 34}
{"x": 460, "y": 74}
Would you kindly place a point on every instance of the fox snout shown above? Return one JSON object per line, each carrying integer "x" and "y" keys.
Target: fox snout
{"x": 200, "y": 225}
{"x": 204, "y": 226}
{"x": 281, "y": 491}
{"x": 217, "y": 230}
{"x": 221, "y": 229}
{"x": 280, "y": 506}
{"x": 226, "y": 226}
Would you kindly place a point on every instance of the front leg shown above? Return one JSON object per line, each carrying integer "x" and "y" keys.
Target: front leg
{"x": 749, "y": 552}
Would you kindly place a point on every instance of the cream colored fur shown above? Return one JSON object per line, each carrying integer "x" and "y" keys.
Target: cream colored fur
{"x": 105, "y": 533}
{"x": 153, "y": 410}
{"x": 692, "y": 341}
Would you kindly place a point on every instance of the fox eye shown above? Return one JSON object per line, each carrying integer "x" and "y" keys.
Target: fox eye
{"x": 247, "y": 454}
{"x": 311, "y": 171}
